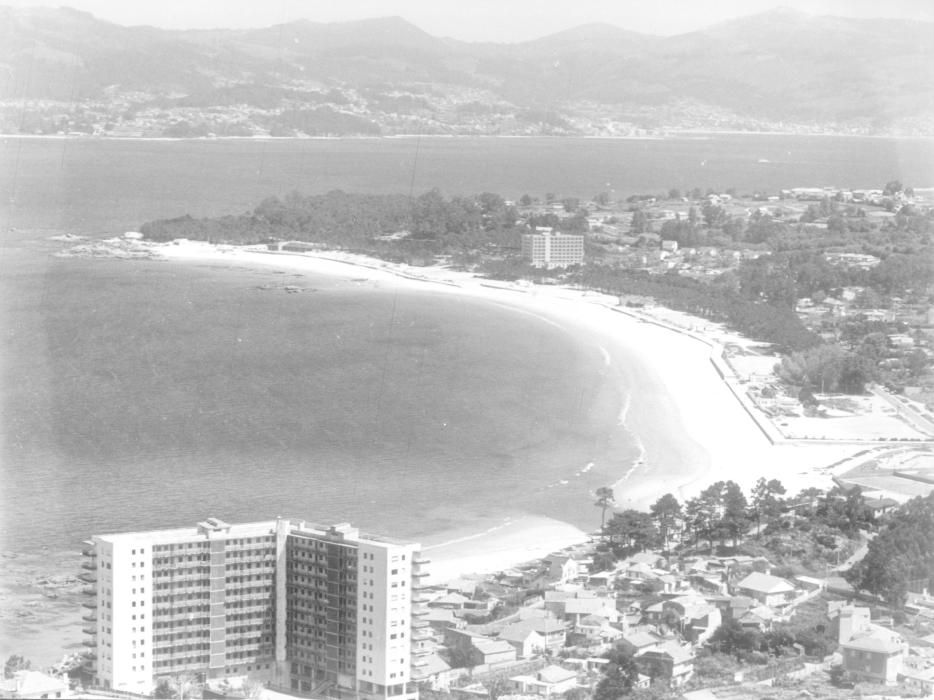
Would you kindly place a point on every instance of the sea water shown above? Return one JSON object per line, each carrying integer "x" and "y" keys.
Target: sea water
{"x": 142, "y": 394}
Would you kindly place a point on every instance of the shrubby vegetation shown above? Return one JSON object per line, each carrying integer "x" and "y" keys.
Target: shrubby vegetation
{"x": 421, "y": 228}
{"x": 14, "y": 663}
{"x": 901, "y": 556}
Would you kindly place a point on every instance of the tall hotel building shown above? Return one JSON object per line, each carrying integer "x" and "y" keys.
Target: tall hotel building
{"x": 550, "y": 249}
{"x": 311, "y": 610}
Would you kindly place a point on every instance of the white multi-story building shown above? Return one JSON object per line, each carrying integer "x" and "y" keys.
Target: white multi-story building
{"x": 312, "y": 609}
{"x": 551, "y": 249}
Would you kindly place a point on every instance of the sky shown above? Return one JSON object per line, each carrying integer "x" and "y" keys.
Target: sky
{"x": 475, "y": 20}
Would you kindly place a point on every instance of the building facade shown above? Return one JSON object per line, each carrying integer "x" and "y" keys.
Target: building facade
{"x": 551, "y": 249}
{"x": 309, "y": 609}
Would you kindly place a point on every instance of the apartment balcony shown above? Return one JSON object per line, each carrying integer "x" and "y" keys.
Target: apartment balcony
{"x": 88, "y": 577}
{"x": 419, "y": 624}
{"x": 90, "y": 631}
{"x": 420, "y": 596}
{"x": 419, "y": 661}
{"x": 91, "y": 603}
{"x": 88, "y": 548}
{"x": 89, "y": 565}
{"x": 89, "y": 590}
{"x": 90, "y": 643}
{"x": 419, "y": 652}
{"x": 422, "y": 633}
{"x": 90, "y": 617}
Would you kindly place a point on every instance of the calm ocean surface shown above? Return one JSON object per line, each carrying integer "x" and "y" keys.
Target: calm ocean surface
{"x": 144, "y": 394}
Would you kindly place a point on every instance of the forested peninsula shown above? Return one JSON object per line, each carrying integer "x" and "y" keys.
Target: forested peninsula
{"x": 747, "y": 270}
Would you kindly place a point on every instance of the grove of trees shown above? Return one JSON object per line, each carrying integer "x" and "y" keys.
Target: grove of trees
{"x": 901, "y": 556}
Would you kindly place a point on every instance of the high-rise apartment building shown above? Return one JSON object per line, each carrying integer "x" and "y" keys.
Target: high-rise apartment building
{"x": 316, "y": 610}
{"x": 549, "y": 249}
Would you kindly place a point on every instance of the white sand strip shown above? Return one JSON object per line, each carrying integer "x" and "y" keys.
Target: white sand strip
{"x": 693, "y": 429}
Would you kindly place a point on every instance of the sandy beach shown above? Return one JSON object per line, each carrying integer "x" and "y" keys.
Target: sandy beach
{"x": 702, "y": 434}
{"x": 689, "y": 427}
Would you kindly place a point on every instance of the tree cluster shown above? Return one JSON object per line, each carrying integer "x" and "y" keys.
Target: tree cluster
{"x": 756, "y": 319}
{"x": 807, "y": 528}
{"x": 425, "y": 226}
{"x": 826, "y": 368}
{"x": 901, "y": 557}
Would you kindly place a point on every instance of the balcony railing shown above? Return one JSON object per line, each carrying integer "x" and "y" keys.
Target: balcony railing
{"x": 90, "y": 631}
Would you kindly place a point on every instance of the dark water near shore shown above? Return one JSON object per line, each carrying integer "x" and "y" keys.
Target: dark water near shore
{"x": 143, "y": 394}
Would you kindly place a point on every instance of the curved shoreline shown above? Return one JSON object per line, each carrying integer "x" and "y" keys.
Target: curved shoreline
{"x": 690, "y": 427}
{"x": 678, "y": 360}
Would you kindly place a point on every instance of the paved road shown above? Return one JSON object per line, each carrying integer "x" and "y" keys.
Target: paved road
{"x": 858, "y": 554}
{"x": 909, "y": 414}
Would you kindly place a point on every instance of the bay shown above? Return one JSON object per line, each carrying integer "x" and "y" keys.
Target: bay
{"x": 140, "y": 395}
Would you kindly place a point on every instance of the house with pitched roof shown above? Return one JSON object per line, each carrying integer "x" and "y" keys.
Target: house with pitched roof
{"x": 641, "y": 639}
{"x": 698, "y": 618}
{"x": 33, "y": 684}
{"x": 450, "y": 601}
{"x": 475, "y": 649}
{"x": 870, "y": 652}
{"x": 549, "y": 681}
{"x": 577, "y": 608}
{"x": 595, "y": 629}
{"x": 527, "y": 642}
{"x": 441, "y": 618}
{"x": 769, "y": 590}
{"x": 671, "y": 661}
{"x": 759, "y": 618}
{"x": 651, "y": 559}
{"x": 552, "y": 631}
{"x": 562, "y": 569}
{"x": 437, "y": 672}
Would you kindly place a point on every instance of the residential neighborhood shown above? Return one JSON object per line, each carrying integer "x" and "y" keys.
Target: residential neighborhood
{"x": 562, "y": 626}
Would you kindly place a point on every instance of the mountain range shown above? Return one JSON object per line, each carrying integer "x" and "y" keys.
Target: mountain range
{"x": 771, "y": 68}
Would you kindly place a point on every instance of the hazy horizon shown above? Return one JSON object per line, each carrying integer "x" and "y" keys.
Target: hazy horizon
{"x": 482, "y": 21}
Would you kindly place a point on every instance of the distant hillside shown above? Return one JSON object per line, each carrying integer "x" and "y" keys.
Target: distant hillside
{"x": 768, "y": 68}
